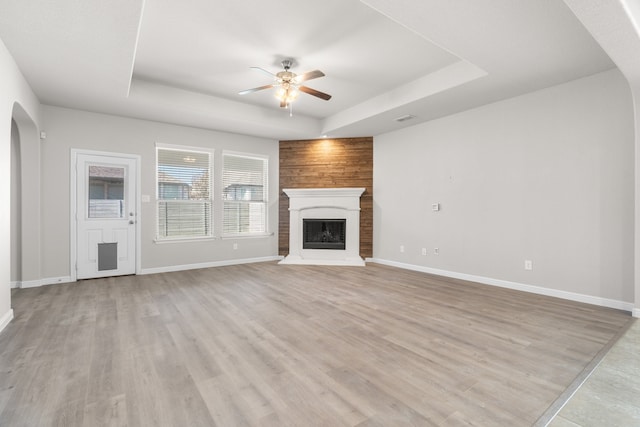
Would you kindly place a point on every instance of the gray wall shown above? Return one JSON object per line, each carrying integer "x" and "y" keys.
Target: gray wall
{"x": 17, "y": 102}
{"x": 71, "y": 129}
{"x": 546, "y": 177}
{"x": 16, "y": 206}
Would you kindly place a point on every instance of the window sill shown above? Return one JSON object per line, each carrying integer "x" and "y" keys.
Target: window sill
{"x": 185, "y": 240}
{"x": 212, "y": 238}
{"x": 246, "y": 236}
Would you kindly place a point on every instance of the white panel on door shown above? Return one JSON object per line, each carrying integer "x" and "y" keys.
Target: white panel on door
{"x": 105, "y": 208}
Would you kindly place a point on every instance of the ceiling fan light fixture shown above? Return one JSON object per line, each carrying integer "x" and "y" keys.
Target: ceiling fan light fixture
{"x": 293, "y": 93}
{"x": 289, "y": 84}
{"x": 287, "y": 94}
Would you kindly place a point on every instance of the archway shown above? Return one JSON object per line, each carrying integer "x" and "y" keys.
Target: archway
{"x": 16, "y": 209}
{"x": 25, "y": 192}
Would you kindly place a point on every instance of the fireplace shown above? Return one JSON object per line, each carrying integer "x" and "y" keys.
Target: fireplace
{"x": 323, "y": 233}
{"x": 324, "y": 226}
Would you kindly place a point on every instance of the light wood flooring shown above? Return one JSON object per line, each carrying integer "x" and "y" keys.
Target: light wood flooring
{"x": 274, "y": 345}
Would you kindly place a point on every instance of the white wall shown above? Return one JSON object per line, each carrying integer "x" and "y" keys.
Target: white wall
{"x": 71, "y": 129}
{"x": 546, "y": 177}
{"x": 17, "y": 100}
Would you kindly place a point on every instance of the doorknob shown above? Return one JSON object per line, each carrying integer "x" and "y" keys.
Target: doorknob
{"x": 131, "y": 221}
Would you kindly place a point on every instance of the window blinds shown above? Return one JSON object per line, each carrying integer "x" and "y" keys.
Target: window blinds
{"x": 184, "y": 193}
{"x": 244, "y": 194}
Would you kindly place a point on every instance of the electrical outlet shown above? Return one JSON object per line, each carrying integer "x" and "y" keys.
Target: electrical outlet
{"x": 436, "y": 251}
{"x": 235, "y": 246}
{"x": 528, "y": 265}
{"x": 401, "y": 248}
{"x": 424, "y": 251}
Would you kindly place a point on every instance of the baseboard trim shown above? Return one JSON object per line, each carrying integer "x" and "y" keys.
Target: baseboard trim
{"x": 588, "y": 299}
{"x": 67, "y": 279}
{"x": 4, "y": 320}
{"x": 44, "y": 282}
{"x": 172, "y": 268}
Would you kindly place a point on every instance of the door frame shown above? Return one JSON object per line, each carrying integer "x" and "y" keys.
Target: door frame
{"x": 73, "y": 242}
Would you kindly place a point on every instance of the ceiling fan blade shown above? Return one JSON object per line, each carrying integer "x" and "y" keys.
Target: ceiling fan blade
{"x": 264, "y": 71}
{"x": 314, "y": 92}
{"x": 255, "y": 89}
{"x": 308, "y": 76}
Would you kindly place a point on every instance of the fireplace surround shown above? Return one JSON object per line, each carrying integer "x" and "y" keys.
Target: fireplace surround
{"x": 331, "y": 206}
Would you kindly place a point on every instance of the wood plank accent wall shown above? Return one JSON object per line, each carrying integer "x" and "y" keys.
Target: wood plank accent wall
{"x": 328, "y": 163}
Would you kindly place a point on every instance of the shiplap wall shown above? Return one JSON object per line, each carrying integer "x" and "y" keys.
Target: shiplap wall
{"x": 328, "y": 163}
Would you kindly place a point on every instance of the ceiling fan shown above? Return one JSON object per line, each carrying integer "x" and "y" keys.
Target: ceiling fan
{"x": 289, "y": 84}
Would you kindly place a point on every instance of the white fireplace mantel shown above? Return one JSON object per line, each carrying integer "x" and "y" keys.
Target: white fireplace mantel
{"x": 324, "y": 203}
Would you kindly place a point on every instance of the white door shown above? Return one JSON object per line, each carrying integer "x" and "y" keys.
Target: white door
{"x": 105, "y": 215}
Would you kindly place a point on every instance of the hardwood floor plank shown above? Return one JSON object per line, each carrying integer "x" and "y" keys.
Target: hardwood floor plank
{"x": 106, "y": 367}
{"x": 144, "y": 392}
{"x": 220, "y": 398}
{"x": 111, "y": 412}
{"x": 200, "y": 363}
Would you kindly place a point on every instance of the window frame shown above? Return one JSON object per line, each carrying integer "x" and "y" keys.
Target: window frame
{"x": 265, "y": 159}
{"x": 211, "y": 200}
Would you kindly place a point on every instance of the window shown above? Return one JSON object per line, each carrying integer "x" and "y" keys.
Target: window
{"x": 244, "y": 194}
{"x": 106, "y": 192}
{"x": 184, "y": 193}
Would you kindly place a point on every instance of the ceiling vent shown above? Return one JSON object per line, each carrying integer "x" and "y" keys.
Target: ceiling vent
{"x": 404, "y": 118}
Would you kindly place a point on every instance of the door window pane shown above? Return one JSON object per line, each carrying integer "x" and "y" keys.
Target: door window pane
{"x": 106, "y": 192}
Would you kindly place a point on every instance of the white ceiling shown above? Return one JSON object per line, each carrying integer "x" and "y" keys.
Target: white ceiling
{"x": 185, "y": 62}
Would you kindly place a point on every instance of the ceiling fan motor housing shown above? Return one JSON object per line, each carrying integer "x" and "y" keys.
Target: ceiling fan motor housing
{"x": 286, "y": 76}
